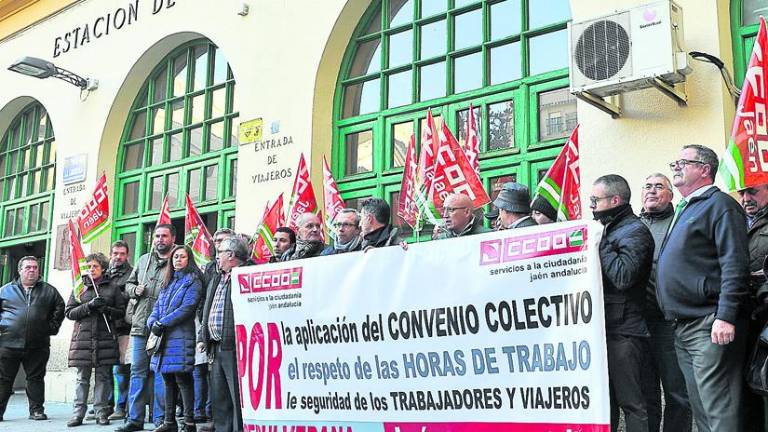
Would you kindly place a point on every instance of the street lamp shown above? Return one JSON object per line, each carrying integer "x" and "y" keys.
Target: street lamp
{"x": 39, "y": 68}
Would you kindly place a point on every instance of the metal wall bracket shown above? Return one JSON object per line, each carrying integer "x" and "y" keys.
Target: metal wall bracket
{"x": 677, "y": 93}
{"x": 598, "y": 102}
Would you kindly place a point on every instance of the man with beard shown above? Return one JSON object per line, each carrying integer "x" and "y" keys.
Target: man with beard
{"x": 662, "y": 367}
{"x": 309, "y": 242}
{"x": 347, "y": 226}
{"x": 283, "y": 241}
{"x": 143, "y": 288}
{"x": 460, "y": 219}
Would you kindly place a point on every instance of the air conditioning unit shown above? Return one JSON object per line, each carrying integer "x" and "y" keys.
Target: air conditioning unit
{"x": 628, "y": 50}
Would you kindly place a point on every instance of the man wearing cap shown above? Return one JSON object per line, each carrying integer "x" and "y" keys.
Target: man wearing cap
{"x": 460, "y": 219}
{"x": 514, "y": 208}
{"x": 542, "y": 211}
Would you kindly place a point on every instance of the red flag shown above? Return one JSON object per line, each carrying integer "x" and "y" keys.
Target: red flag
{"x": 561, "y": 186}
{"x": 78, "y": 264}
{"x": 302, "y": 196}
{"x": 407, "y": 208}
{"x": 165, "y": 213}
{"x": 472, "y": 143}
{"x": 94, "y": 217}
{"x": 745, "y": 163}
{"x": 263, "y": 246}
{"x": 331, "y": 196}
{"x": 196, "y": 235}
{"x": 453, "y": 173}
{"x": 427, "y": 157}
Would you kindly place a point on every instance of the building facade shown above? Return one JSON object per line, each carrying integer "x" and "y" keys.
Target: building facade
{"x": 350, "y": 80}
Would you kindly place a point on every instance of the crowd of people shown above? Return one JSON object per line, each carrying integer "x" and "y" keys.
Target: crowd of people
{"x": 684, "y": 300}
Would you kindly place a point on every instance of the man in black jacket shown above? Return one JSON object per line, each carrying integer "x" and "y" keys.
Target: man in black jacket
{"x": 702, "y": 280}
{"x": 375, "y": 226}
{"x": 309, "y": 238}
{"x": 31, "y": 311}
{"x": 626, "y": 255}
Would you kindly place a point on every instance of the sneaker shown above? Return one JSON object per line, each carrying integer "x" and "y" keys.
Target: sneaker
{"x": 38, "y": 416}
{"x": 75, "y": 421}
{"x": 102, "y": 420}
{"x": 130, "y": 427}
{"x": 117, "y": 415}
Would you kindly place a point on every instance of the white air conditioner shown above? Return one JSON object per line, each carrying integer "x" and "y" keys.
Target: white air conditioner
{"x": 627, "y": 50}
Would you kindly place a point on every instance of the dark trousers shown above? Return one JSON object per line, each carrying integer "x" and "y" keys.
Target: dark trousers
{"x": 34, "y": 361}
{"x": 225, "y": 391}
{"x": 662, "y": 368}
{"x": 753, "y": 403}
{"x": 713, "y": 373}
{"x": 187, "y": 390}
{"x": 625, "y": 362}
{"x": 202, "y": 395}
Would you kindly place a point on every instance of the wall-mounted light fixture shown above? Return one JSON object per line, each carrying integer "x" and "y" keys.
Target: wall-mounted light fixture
{"x": 39, "y": 68}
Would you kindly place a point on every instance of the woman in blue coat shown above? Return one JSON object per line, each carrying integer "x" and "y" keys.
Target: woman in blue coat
{"x": 173, "y": 316}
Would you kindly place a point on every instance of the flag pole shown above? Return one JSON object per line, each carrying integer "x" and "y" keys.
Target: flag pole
{"x": 565, "y": 183}
{"x": 103, "y": 315}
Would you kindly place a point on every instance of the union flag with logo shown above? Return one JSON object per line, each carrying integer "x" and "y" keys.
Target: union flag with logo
{"x": 93, "y": 218}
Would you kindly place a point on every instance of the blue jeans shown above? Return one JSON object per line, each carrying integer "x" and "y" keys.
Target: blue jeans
{"x": 202, "y": 398}
{"x": 122, "y": 374}
{"x": 137, "y": 393}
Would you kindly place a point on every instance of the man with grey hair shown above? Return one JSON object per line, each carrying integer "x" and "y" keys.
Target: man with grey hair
{"x": 513, "y": 202}
{"x": 347, "y": 227}
{"x": 662, "y": 368}
{"x": 216, "y": 336}
{"x": 31, "y": 311}
{"x": 703, "y": 275}
{"x": 626, "y": 255}
{"x": 309, "y": 238}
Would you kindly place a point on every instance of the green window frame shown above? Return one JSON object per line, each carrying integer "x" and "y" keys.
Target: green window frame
{"x": 744, "y": 26}
{"x": 387, "y": 83}
{"x": 181, "y": 136}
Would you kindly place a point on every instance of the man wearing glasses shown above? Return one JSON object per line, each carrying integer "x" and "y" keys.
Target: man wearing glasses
{"x": 626, "y": 256}
{"x": 459, "y": 217}
{"x": 662, "y": 367}
{"x": 702, "y": 279}
{"x": 347, "y": 227}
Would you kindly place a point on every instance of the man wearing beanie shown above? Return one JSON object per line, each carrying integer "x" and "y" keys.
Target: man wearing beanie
{"x": 514, "y": 208}
{"x": 542, "y": 211}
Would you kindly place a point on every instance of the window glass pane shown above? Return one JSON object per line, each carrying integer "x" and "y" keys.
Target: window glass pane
{"x": 469, "y": 29}
{"x": 400, "y": 48}
{"x": 198, "y": 108}
{"x": 175, "y": 141}
{"x": 39, "y": 152}
{"x": 505, "y": 19}
{"x": 506, "y": 63}
{"x": 11, "y": 187}
{"x": 501, "y": 130}
{"x": 433, "y": 39}
{"x": 49, "y": 178}
{"x": 432, "y": 7}
{"x": 14, "y": 163}
{"x": 18, "y": 227}
{"x": 401, "y": 136}
{"x": 193, "y": 184}
{"x": 359, "y": 152}
{"x": 432, "y": 81}
{"x": 22, "y": 186}
{"x": 15, "y": 139}
{"x": 218, "y": 103}
{"x": 211, "y": 182}
{"x": 233, "y": 178}
{"x": 26, "y": 156}
{"x": 367, "y": 59}
{"x": 541, "y": 13}
{"x": 200, "y": 56}
{"x": 159, "y": 84}
{"x": 216, "y": 137}
{"x": 220, "y": 67}
{"x": 155, "y": 193}
{"x": 34, "y": 215}
{"x": 173, "y": 189}
{"x": 2, "y": 165}
{"x": 399, "y": 89}
{"x": 130, "y": 197}
{"x": 557, "y": 114}
{"x": 9, "y": 218}
{"x": 361, "y": 98}
{"x": 403, "y": 228}
{"x": 177, "y": 114}
{"x": 44, "y": 209}
{"x": 461, "y": 120}
{"x": 158, "y": 120}
{"x": 468, "y": 71}
{"x": 139, "y": 125}
{"x": 751, "y": 11}
{"x": 374, "y": 24}
{"x": 196, "y": 140}
{"x": 156, "y": 149}
{"x": 35, "y": 179}
{"x": 51, "y": 153}
{"x": 129, "y": 238}
{"x": 180, "y": 75}
{"x": 42, "y": 126}
{"x": 400, "y": 12}
{"x": 133, "y": 156}
{"x": 461, "y": 3}
{"x": 549, "y": 52}
{"x": 234, "y": 132}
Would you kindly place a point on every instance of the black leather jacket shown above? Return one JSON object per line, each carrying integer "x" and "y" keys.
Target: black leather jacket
{"x": 29, "y": 321}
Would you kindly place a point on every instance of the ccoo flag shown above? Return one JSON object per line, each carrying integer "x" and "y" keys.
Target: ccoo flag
{"x": 331, "y": 196}
{"x": 302, "y": 196}
{"x": 93, "y": 219}
{"x": 472, "y": 143}
{"x": 196, "y": 235}
{"x": 263, "y": 245}
{"x": 407, "y": 208}
{"x": 77, "y": 263}
{"x": 165, "y": 213}
{"x": 745, "y": 163}
{"x": 454, "y": 174}
{"x": 562, "y": 183}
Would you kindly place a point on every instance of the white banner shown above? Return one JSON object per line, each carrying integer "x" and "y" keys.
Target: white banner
{"x": 502, "y": 331}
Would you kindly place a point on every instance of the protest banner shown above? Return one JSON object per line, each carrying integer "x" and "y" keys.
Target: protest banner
{"x": 502, "y": 331}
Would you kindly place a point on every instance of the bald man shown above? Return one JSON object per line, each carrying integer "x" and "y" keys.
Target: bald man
{"x": 309, "y": 240}
{"x": 459, "y": 217}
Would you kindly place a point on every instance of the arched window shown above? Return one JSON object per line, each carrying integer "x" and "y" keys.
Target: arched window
{"x": 180, "y": 137}
{"x": 745, "y": 20}
{"x": 507, "y": 58}
{"x": 27, "y": 179}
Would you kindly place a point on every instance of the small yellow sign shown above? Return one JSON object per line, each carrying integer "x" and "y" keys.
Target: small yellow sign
{"x": 251, "y": 131}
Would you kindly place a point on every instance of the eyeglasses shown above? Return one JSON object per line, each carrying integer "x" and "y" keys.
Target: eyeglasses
{"x": 683, "y": 162}
{"x": 452, "y": 209}
{"x": 593, "y": 199}
{"x": 656, "y": 187}
{"x": 338, "y": 225}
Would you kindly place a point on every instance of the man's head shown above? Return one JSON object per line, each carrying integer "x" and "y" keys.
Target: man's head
{"x": 657, "y": 193}
{"x": 118, "y": 254}
{"x": 609, "y": 191}
{"x": 695, "y": 168}
{"x": 374, "y": 214}
{"x": 220, "y": 235}
{"x": 232, "y": 253}
{"x": 513, "y": 203}
{"x": 29, "y": 271}
{"x": 164, "y": 238}
{"x": 347, "y": 225}
{"x": 754, "y": 198}
{"x": 310, "y": 227}
{"x": 457, "y": 212}
{"x": 283, "y": 240}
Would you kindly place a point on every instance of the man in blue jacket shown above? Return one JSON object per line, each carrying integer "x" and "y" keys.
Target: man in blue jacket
{"x": 702, "y": 281}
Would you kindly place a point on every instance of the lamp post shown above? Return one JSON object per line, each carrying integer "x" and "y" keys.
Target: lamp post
{"x": 39, "y": 68}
